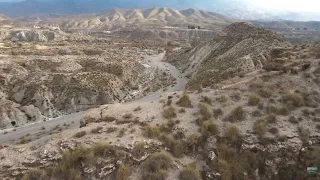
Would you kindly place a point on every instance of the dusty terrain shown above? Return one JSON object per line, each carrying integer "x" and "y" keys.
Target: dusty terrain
{"x": 250, "y": 110}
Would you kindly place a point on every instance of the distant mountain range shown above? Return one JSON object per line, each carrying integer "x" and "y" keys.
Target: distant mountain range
{"x": 238, "y": 9}
{"x": 135, "y": 18}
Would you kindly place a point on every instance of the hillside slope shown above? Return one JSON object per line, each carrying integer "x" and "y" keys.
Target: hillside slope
{"x": 241, "y": 49}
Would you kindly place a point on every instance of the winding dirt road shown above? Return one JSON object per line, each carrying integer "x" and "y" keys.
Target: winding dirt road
{"x": 36, "y": 130}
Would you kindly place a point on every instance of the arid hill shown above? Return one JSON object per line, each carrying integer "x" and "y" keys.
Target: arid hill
{"x": 242, "y": 48}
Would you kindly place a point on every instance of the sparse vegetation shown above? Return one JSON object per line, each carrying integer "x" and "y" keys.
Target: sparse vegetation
{"x": 170, "y": 112}
{"x": 156, "y": 166}
{"x": 217, "y": 113}
{"x": 185, "y": 101}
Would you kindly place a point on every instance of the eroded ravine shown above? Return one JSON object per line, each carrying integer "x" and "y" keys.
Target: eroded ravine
{"x": 73, "y": 120}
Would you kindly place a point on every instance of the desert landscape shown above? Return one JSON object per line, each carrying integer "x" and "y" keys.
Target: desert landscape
{"x": 158, "y": 94}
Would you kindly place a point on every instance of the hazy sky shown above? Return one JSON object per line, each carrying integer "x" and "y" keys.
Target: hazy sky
{"x": 291, "y": 5}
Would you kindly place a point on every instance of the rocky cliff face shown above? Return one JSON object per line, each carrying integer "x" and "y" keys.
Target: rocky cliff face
{"x": 240, "y": 49}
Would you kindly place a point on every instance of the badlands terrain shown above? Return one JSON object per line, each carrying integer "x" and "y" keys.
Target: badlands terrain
{"x": 241, "y": 103}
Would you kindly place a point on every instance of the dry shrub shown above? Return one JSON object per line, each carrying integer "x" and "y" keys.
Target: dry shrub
{"x": 237, "y": 115}
{"x": 176, "y": 147}
{"x": 70, "y": 166}
{"x": 111, "y": 129}
{"x": 151, "y": 131}
{"x": 265, "y": 93}
{"x": 190, "y": 173}
{"x": 193, "y": 141}
{"x": 217, "y": 113}
{"x": 123, "y": 172}
{"x": 101, "y": 149}
{"x": 137, "y": 109}
{"x": 185, "y": 101}
{"x": 169, "y": 113}
{"x": 138, "y": 150}
{"x": 80, "y": 134}
{"x": 128, "y": 116}
{"x": 223, "y": 98}
{"x": 108, "y": 119}
{"x": 293, "y": 99}
{"x": 92, "y": 52}
{"x": 97, "y": 130}
{"x": 253, "y": 100}
{"x": 304, "y": 134}
{"x": 156, "y": 166}
{"x": 210, "y": 128}
{"x": 182, "y": 110}
{"x": 205, "y": 111}
{"x": 233, "y": 164}
{"x": 259, "y": 127}
{"x": 122, "y": 132}
{"x": 206, "y": 99}
{"x": 35, "y": 174}
{"x": 273, "y": 130}
{"x": 233, "y": 134}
